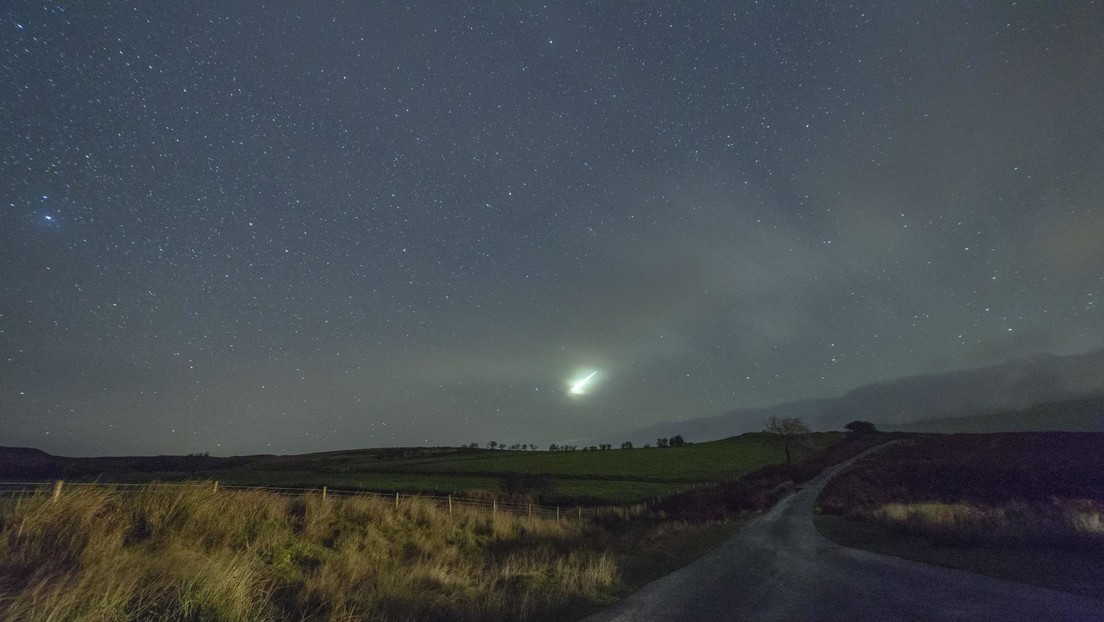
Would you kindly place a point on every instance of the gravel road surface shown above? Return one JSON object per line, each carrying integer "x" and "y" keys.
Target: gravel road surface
{"x": 780, "y": 568}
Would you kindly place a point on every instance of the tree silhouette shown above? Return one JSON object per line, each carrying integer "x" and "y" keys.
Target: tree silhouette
{"x": 861, "y": 428}
{"x": 786, "y": 434}
{"x": 626, "y": 445}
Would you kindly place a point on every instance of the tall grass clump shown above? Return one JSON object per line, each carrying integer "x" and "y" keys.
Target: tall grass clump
{"x": 1069, "y": 522}
{"x": 192, "y": 553}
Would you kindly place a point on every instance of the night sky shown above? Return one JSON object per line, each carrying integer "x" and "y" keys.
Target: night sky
{"x": 291, "y": 226}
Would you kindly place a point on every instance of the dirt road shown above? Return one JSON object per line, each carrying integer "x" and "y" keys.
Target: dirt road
{"x": 780, "y": 568}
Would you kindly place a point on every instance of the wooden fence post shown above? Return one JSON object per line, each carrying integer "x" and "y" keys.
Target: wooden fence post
{"x": 494, "y": 507}
{"x": 396, "y": 500}
{"x": 580, "y": 514}
{"x": 557, "y": 513}
{"x": 323, "y": 493}
{"x": 216, "y": 486}
{"x": 57, "y": 489}
{"x": 450, "y": 504}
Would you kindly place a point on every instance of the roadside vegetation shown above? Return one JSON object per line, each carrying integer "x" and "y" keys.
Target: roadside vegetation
{"x": 190, "y": 553}
{"x": 1021, "y": 506}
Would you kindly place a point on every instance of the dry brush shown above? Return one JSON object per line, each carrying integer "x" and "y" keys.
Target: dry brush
{"x": 191, "y": 553}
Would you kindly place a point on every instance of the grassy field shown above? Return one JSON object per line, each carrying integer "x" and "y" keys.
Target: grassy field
{"x": 191, "y": 553}
{"x": 712, "y": 461}
{"x": 616, "y": 476}
{"x": 1027, "y": 507}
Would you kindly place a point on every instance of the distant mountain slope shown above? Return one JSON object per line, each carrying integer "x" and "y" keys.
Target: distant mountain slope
{"x": 1083, "y": 415}
{"x": 27, "y": 463}
{"x": 1015, "y": 385}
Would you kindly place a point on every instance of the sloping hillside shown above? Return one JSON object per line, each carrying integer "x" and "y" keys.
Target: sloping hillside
{"x": 1015, "y": 385}
{"x": 1083, "y": 415}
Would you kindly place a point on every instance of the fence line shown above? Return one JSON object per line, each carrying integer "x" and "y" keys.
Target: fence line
{"x": 15, "y": 489}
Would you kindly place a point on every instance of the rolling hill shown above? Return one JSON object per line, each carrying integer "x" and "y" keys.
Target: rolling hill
{"x": 966, "y": 394}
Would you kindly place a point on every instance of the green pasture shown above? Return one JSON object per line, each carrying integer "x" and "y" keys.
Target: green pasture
{"x": 702, "y": 462}
{"x": 610, "y": 476}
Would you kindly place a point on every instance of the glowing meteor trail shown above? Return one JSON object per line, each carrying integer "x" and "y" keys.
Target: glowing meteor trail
{"x": 579, "y": 387}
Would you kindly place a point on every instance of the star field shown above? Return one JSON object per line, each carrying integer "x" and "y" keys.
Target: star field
{"x": 282, "y": 228}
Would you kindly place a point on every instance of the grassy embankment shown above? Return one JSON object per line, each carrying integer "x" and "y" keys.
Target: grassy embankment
{"x": 1025, "y": 507}
{"x": 616, "y": 476}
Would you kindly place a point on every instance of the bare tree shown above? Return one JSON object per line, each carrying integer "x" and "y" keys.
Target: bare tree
{"x": 786, "y": 434}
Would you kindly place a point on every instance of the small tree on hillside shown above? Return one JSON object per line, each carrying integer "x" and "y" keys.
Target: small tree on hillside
{"x": 786, "y": 434}
{"x": 626, "y": 445}
{"x": 676, "y": 441}
{"x": 661, "y": 442}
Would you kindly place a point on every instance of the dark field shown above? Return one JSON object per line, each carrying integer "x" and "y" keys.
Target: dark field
{"x": 1027, "y": 507}
{"x": 1030, "y": 467}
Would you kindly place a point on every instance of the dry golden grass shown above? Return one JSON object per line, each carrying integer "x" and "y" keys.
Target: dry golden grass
{"x": 190, "y": 553}
{"x": 1071, "y": 521}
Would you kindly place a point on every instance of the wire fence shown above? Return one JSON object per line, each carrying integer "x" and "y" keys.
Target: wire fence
{"x": 57, "y": 488}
